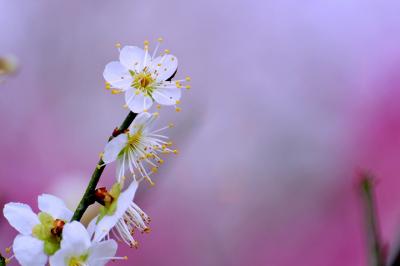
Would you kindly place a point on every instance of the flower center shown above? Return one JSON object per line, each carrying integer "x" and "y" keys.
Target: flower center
{"x": 78, "y": 261}
{"x": 109, "y": 200}
{"x": 49, "y": 231}
{"x": 134, "y": 139}
{"x": 143, "y": 81}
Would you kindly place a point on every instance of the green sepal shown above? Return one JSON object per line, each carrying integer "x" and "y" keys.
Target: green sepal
{"x": 110, "y": 208}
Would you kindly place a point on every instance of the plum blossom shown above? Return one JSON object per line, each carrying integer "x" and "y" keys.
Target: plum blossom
{"x": 119, "y": 215}
{"x": 39, "y": 234}
{"x": 145, "y": 78}
{"x": 77, "y": 249}
{"x": 138, "y": 150}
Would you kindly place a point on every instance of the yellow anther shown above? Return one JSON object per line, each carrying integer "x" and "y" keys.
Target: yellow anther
{"x": 125, "y": 106}
{"x": 7, "y": 261}
{"x": 188, "y": 78}
{"x": 170, "y": 125}
{"x": 137, "y": 92}
{"x": 167, "y": 51}
{"x": 175, "y": 151}
{"x": 118, "y": 45}
{"x": 187, "y": 87}
{"x": 169, "y": 143}
{"x": 8, "y": 250}
{"x": 161, "y": 161}
{"x": 149, "y": 180}
{"x": 178, "y": 109}
{"x": 101, "y": 154}
{"x": 163, "y": 147}
{"x": 159, "y": 64}
{"x": 146, "y": 42}
{"x": 108, "y": 86}
{"x": 177, "y": 102}
{"x": 115, "y": 91}
{"x": 160, "y": 39}
{"x": 156, "y": 114}
{"x": 145, "y": 110}
{"x": 154, "y": 170}
{"x": 158, "y": 106}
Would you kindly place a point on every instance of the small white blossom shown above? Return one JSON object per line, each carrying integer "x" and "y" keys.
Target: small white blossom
{"x": 144, "y": 78}
{"x": 138, "y": 149}
{"x": 77, "y": 249}
{"x": 39, "y": 234}
{"x": 121, "y": 216}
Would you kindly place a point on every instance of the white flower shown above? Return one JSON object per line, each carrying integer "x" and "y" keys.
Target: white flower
{"x": 120, "y": 215}
{"x": 39, "y": 234}
{"x": 77, "y": 249}
{"x": 144, "y": 78}
{"x": 138, "y": 149}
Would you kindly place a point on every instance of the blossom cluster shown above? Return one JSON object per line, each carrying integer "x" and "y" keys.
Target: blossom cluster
{"x": 53, "y": 235}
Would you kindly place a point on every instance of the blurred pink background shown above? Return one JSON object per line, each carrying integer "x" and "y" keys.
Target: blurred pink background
{"x": 288, "y": 100}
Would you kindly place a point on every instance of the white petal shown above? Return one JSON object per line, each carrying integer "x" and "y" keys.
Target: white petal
{"x": 165, "y": 65}
{"x": 105, "y": 225}
{"x": 167, "y": 96}
{"x": 91, "y": 228}
{"x": 141, "y": 120}
{"x": 114, "y": 147}
{"x": 117, "y": 75}
{"x": 29, "y": 251}
{"x": 137, "y": 103}
{"x": 54, "y": 206}
{"x": 61, "y": 257}
{"x": 75, "y": 238}
{"x": 132, "y": 57}
{"x": 21, "y": 217}
{"x": 109, "y": 221}
{"x": 101, "y": 250}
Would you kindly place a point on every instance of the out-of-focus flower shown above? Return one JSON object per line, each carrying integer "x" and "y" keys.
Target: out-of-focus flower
{"x": 119, "y": 215}
{"x": 8, "y": 65}
{"x": 145, "y": 78}
{"x": 138, "y": 147}
{"x": 40, "y": 235}
{"x": 77, "y": 249}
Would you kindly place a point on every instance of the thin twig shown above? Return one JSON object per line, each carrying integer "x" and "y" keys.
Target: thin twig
{"x": 87, "y": 198}
{"x": 375, "y": 250}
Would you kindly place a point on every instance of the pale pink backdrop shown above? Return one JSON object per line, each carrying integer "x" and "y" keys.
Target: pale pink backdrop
{"x": 289, "y": 99}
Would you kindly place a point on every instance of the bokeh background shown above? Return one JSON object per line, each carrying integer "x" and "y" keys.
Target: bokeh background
{"x": 289, "y": 99}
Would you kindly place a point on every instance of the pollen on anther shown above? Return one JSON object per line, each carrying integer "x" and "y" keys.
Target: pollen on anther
{"x": 118, "y": 45}
{"x": 178, "y": 109}
{"x": 160, "y": 39}
{"x": 158, "y": 106}
{"x": 187, "y": 87}
{"x": 175, "y": 151}
{"x": 188, "y": 78}
{"x": 177, "y": 102}
{"x": 101, "y": 154}
{"x": 108, "y": 86}
{"x": 115, "y": 91}
{"x": 170, "y": 125}
{"x": 167, "y": 51}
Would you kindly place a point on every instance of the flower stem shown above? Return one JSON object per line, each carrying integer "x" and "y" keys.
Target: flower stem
{"x": 375, "y": 249}
{"x": 88, "y": 197}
